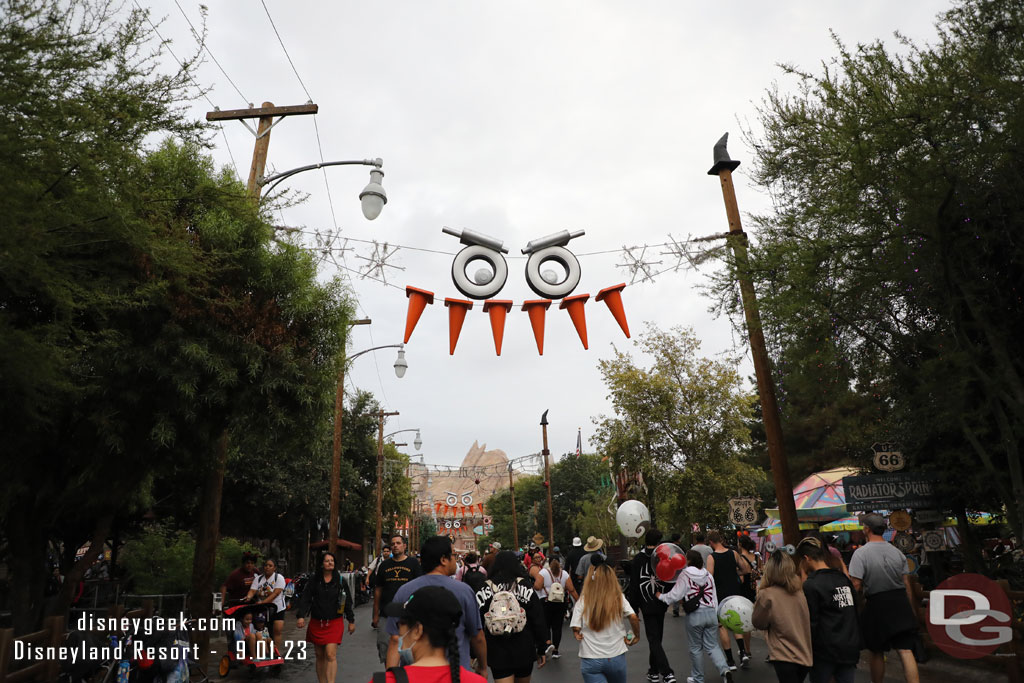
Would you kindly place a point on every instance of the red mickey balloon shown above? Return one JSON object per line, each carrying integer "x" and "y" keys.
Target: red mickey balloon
{"x": 668, "y": 560}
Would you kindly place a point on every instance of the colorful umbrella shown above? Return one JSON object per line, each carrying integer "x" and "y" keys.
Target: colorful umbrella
{"x": 773, "y": 527}
{"x": 820, "y": 497}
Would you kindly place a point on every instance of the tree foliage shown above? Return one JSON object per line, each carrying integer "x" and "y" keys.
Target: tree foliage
{"x": 681, "y": 422}
{"x": 889, "y": 270}
{"x": 146, "y": 311}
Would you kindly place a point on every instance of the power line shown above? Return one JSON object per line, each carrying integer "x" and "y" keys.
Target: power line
{"x": 204, "y": 46}
{"x": 279, "y": 40}
{"x": 165, "y": 43}
{"x": 316, "y": 127}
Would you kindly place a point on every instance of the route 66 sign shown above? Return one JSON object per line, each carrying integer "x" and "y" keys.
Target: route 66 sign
{"x": 743, "y": 511}
{"x": 888, "y": 457}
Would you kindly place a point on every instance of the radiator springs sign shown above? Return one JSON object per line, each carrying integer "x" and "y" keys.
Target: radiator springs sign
{"x": 890, "y": 491}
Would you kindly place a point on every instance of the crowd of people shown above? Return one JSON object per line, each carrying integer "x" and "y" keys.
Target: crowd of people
{"x": 440, "y": 616}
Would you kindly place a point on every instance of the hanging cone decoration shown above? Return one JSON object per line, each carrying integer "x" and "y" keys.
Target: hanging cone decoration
{"x": 574, "y": 304}
{"x": 612, "y": 297}
{"x": 481, "y": 506}
{"x": 437, "y": 508}
{"x": 457, "y": 309}
{"x": 497, "y": 309}
{"x": 536, "y": 309}
{"x": 418, "y": 300}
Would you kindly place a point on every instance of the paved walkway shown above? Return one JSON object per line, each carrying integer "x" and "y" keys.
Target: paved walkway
{"x": 358, "y": 660}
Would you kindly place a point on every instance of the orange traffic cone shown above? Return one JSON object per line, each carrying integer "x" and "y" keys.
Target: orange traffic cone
{"x": 612, "y": 297}
{"x": 574, "y": 304}
{"x": 418, "y": 300}
{"x": 457, "y": 309}
{"x": 497, "y": 309}
{"x": 536, "y": 309}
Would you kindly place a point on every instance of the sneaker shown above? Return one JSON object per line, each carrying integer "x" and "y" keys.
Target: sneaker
{"x": 653, "y": 678}
{"x": 690, "y": 679}
{"x": 547, "y": 652}
{"x": 669, "y": 678}
{"x": 744, "y": 660}
{"x": 555, "y": 655}
{"x": 732, "y": 667}
{"x": 727, "y": 676}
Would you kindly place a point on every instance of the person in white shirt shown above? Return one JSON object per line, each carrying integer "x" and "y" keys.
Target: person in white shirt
{"x": 268, "y": 588}
{"x": 555, "y": 603}
{"x": 696, "y": 586}
{"x": 597, "y": 624}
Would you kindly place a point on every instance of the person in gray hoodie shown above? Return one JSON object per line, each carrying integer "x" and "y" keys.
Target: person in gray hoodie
{"x": 702, "y": 623}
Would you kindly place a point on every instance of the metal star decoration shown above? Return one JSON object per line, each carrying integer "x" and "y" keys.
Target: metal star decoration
{"x": 636, "y": 264}
{"x": 377, "y": 262}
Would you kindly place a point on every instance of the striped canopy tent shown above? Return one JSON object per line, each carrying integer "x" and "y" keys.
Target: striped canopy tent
{"x": 771, "y": 530}
{"x": 820, "y": 497}
{"x": 844, "y": 524}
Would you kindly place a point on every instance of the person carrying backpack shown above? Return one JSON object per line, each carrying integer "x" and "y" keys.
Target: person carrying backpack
{"x": 695, "y": 589}
{"x": 643, "y": 586}
{"x": 514, "y": 624}
{"x": 472, "y": 573}
{"x": 554, "y": 587}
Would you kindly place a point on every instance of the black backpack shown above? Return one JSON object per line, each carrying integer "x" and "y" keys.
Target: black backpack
{"x": 474, "y": 577}
{"x": 399, "y": 671}
{"x": 691, "y": 604}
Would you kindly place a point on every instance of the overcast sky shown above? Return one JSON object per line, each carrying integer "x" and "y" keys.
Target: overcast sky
{"x": 515, "y": 120}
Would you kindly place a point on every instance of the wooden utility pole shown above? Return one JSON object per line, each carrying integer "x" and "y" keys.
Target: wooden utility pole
{"x": 547, "y": 481}
{"x": 339, "y": 409}
{"x": 266, "y": 115}
{"x": 377, "y": 544}
{"x": 737, "y": 239}
{"x": 512, "y": 493}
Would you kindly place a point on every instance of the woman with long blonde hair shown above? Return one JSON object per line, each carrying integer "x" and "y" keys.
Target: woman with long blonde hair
{"x": 597, "y": 624}
{"x": 781, "y": 610}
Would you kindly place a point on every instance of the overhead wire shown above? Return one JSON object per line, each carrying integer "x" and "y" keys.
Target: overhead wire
{"x": 202, "y": 44}
{"x": 316, "y": 127}
{"x": 165, "y": 43}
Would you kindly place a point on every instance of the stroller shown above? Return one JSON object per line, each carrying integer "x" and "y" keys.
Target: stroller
{"x": 262, "y": 655}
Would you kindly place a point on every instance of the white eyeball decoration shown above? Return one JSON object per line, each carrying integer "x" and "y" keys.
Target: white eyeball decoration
{"x": 486, "y": 281}
{"x": 452, "y": 498}
{"x": 633, "y": 519}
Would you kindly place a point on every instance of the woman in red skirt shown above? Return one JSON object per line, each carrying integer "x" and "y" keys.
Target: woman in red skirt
{"x": 327, "y": 601}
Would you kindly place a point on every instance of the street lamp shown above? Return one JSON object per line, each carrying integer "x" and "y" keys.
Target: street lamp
{"x": 401, "y": 365}
{"x": 417, "y": 442}
{"x": 372, "y": 198}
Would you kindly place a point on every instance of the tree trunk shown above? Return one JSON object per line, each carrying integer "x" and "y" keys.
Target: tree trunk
{"x": 207, "y": 538}
{"x": 75, "y": 573}
{"x": 29, "y": 570}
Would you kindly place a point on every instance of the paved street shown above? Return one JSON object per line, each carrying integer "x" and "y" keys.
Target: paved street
{"x": 358, "y": 660}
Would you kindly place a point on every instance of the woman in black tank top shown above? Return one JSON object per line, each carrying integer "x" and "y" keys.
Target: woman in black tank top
{"x": 726, "y": 572}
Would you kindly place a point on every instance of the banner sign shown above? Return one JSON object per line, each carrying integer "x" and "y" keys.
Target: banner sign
{"x": 890, "y": 491}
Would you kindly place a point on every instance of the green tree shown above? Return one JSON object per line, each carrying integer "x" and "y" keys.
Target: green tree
{"x": 889, "y": 262}
{"x": 682, "y": 424}
{"x": 154, "y": 323}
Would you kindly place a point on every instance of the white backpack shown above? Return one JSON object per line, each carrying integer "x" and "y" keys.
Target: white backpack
{"x": 557, "y": 592}
{"x": 505, "y": 615}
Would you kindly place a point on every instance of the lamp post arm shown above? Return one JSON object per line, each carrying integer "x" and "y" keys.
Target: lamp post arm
{"x": 375, "y": 348}
{"x": 278, "y": 177}
{"x": 413, "y": 429}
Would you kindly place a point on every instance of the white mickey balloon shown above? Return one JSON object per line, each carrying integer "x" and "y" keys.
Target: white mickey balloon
{"x": 633, "y": 519}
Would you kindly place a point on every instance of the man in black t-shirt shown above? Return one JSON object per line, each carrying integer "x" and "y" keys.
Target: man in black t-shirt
{"x": 391, "y": 575}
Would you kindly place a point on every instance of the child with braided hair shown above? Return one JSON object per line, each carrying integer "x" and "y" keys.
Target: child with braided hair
{"x": 427, "y": 643}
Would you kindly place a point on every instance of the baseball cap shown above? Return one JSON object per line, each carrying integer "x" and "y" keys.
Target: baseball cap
{"x": 577, "y": 542}
{"x": 430, "y": 605}
{"x": 497, "y": 546}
